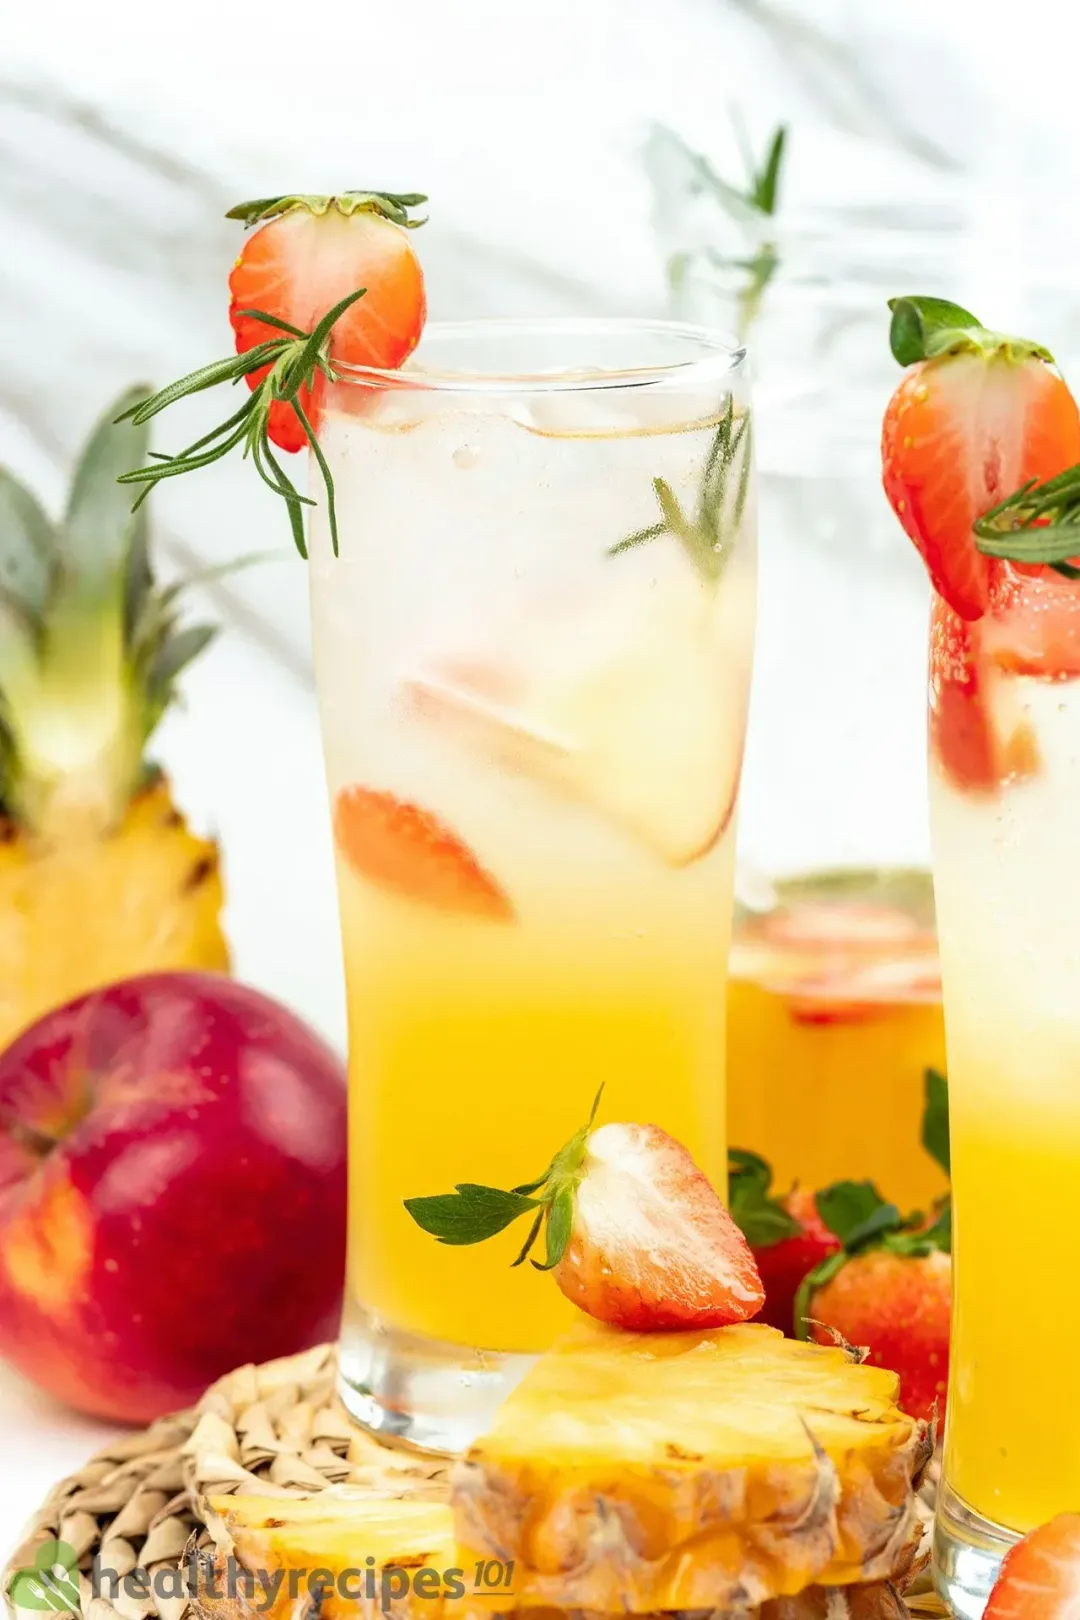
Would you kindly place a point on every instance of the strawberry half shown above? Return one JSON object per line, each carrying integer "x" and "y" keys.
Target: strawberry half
{"x": 325, "y": 282}
{"x": 976, "y": 416}
{"x": 635, "y": 1233}
{"x": 1040, "y": 1576}
{"x": 311, "y": 253}
{"x": 409, "y": 852}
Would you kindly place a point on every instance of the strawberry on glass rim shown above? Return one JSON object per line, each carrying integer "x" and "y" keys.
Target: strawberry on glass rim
{"x": 977, "y": 416}
{"x": 324, "y": 281}
{"x": 635, "y": 1233}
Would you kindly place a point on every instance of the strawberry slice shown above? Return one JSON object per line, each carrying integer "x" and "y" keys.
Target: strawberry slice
{"x": 408, "y": 851}
{"x": 1033, "y": 627}
{"x": 1040, "y": 1576}
{"x": 324, "y": 283}
{"x": 636, "y": 1235}
{"x": 311, "y": 253}
{"x": 976, "y": 416}
{"x": 978, "y": 744}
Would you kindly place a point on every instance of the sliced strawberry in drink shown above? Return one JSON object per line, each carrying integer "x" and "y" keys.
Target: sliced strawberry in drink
{"x": 408, "y": 851}
{"x": 651, "y": 1245}
{"x": 1040, "y": 1578}
{"x": 979, "y": 739}
{"x": 1033, "y": 627}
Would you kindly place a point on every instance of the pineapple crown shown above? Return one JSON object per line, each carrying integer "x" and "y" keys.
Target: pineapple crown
{"x": 90, "y": 644}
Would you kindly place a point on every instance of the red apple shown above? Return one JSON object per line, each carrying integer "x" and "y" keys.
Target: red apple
{"x": 172, "y": 1192}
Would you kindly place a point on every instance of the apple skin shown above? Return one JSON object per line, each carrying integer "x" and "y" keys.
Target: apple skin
{"x": 172, "y": 1192}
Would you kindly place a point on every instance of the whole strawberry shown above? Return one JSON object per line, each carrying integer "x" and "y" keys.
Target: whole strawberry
{"x": 888, "y": 1291}
{"x": 634, "y": 1232}
{"x": 787, "y": 1235}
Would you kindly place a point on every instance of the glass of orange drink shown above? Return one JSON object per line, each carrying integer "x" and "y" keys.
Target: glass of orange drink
{"x": 834, "y": 1016}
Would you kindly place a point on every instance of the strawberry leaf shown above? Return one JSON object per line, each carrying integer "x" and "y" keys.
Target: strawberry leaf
{"x": 761, "y": 1218}
{"x": 935, "y": 1124}
{"x": 848, "y": 1206}
{"x": 470, "y": 1214}
{"x": 919, "y": 324}
{"x": 560, "y": 1221}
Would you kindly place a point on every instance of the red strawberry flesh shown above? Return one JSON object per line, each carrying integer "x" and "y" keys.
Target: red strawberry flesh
{"x": 652, "y": 1247}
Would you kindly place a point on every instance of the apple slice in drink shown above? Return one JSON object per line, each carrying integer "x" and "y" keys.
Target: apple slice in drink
{"x": 634, "y": 707}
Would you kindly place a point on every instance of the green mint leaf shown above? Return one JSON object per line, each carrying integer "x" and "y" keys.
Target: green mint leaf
{"x": 935, "y": 1124}
{"x": 470, "y": 1214}
{"x": 847, "y": 1206}
{"x": 920, "y": 326}
{"x": 761, "y": 1218}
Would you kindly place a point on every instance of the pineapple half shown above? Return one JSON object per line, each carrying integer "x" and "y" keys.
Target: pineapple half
{"x": 716, "y": 1470}
{"x": 99, "y": 876}
{"x": 343, "y": 1534}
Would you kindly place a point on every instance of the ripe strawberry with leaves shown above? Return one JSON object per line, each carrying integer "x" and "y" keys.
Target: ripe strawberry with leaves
{"x": 977, "y": 415}
{"x": 888, "y": 1289}
{"x": 787, "y": 1235}
{"x": 324, "y": 282}
{"x": 634, "y": 1231}
{"x": 1040, "y": 1576}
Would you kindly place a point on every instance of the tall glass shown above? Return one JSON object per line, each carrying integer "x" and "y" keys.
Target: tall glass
{"x": 1005, "y": 800}
{"x": 533, "y": 738}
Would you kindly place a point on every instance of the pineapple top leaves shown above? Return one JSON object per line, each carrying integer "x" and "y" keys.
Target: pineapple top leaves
{"x": 90, "y": 647}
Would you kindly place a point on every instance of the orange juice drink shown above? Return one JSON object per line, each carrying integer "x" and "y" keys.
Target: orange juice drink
{"x": 1005, "y": 798}
{"x": 834, "y": 1015}
{"x": 533, "y": 658}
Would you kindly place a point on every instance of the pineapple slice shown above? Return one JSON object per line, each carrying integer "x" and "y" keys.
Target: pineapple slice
{"x": 715, "y": 1470}
{"x": 99, "y": 876}
{"x": 351, "y": 1536}
{"x": 367, "y": 1549}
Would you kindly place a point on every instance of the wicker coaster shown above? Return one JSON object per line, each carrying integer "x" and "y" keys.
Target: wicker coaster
{"x": 276, "y": 1429}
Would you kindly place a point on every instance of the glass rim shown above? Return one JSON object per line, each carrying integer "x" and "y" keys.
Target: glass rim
{"x": 712, "y": 355}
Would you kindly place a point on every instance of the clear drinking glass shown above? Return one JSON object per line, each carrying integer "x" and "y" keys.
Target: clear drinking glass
{"x": 533, "y": 733}
{"x": 1005, "y": 786}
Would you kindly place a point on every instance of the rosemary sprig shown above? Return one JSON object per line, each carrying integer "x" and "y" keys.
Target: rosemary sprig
{"x": 294, "y": 359}
{"x": 749, "y": 204}
{"x": 720, "y": 504}
{"x": 1038, "y": 523}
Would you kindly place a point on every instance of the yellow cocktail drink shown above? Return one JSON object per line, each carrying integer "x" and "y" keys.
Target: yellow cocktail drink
{"x": 834, "y": 1016}
{"x": 533, "y": 659}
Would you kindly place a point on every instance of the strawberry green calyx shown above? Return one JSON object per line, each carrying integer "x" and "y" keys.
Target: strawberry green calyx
{"x": 858, "y": 1215}
{"x": 755, "y": 1209}
{"x": 474, "y": 1213}
{"x": 392, "y": 205}
{"x": 931, "y": 328}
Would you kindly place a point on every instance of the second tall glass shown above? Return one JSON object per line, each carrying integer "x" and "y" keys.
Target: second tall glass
{"x": 1005, "y": 791}
{"x": 533, "y": 659}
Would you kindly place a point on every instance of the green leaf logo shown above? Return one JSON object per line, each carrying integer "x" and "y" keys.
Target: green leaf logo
{"x": 51, "y": 1584}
